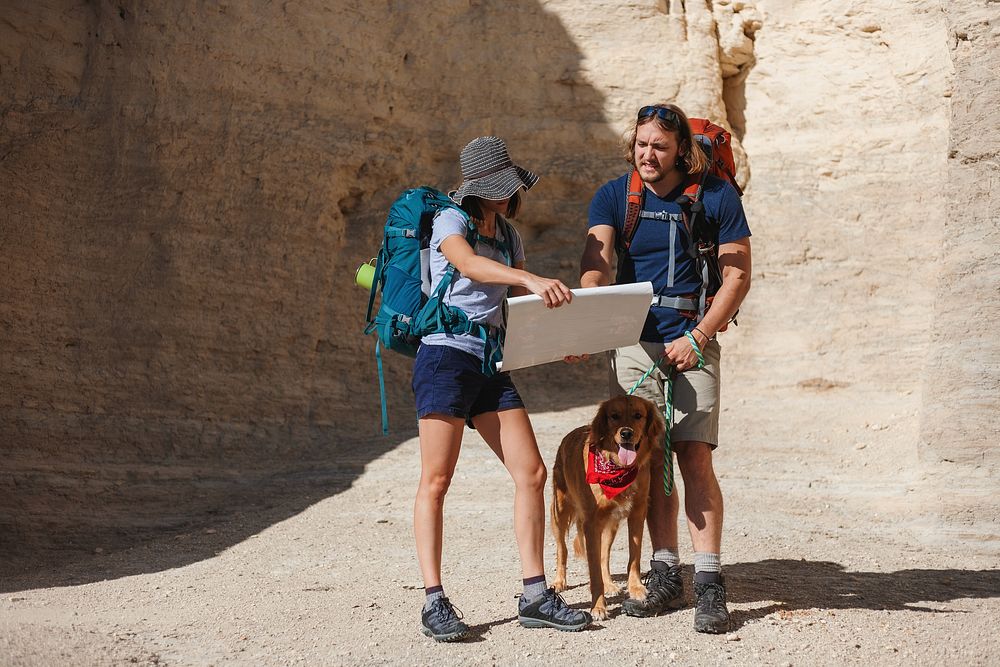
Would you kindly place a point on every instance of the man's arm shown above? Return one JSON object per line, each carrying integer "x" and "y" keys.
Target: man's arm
{"x": 734, "y": 260}
{"x": 595, "y": 264}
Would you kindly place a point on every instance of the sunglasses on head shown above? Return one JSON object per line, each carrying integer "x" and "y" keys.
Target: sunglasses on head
{"x": 663, "y": 113}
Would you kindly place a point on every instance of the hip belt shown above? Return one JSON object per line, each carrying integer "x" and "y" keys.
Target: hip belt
{"x": 678, "y": 302}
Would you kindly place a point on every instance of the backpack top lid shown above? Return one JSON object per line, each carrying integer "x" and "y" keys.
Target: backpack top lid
{"x": 717, "y": 144}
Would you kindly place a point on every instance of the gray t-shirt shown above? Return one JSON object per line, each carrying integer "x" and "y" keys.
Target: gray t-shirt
{"x": 481, "y": 302}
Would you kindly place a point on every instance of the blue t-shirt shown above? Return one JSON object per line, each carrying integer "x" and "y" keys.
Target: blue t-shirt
{"x": 649, "y": 256}
{"x": 482, "y": 303}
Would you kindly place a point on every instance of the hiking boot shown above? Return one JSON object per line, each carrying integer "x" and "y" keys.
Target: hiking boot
{"x": 443, "y": 622}
{"x": 664, "y": 590}
{"x": 549, "y": 610}
{"x": 710, "y": 614}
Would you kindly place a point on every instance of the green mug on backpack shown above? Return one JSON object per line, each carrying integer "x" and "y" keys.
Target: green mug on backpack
{"x": 365, "y": 274}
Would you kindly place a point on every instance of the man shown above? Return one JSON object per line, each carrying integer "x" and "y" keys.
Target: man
{"x": 660, "y": 147}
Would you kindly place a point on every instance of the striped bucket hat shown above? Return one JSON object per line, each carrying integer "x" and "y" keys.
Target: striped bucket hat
{"x": 489, "y": 173}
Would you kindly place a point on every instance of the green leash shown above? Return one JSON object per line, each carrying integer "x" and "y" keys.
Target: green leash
{"x": 668, "y": 411}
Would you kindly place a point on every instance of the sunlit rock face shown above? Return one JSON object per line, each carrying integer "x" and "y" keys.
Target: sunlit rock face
{"x": 187, "y": 191}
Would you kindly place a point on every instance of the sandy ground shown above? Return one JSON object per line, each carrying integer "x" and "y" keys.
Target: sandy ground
{"x": 832, "y": 558}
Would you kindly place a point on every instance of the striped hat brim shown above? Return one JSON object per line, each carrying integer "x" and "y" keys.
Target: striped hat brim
{"x": 501, "y": 185}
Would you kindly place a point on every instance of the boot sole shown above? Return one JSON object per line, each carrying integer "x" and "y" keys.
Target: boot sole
{"x": 539, "y": 623}
{"x": 711, "y": 629}
{"x": 673, "y": 605}
{"x": 451, "y": 637}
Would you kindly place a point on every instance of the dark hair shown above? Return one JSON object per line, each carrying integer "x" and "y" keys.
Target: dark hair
{"x": 472, "y": 205}
{"x": 695, "y": 161}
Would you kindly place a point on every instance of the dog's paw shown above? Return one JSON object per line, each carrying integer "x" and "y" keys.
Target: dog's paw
{"x": 599, "y": 612}
{"x": 611, "y": 588}
{"x": 559, "y": 585}
{"x": 637, "y": 592}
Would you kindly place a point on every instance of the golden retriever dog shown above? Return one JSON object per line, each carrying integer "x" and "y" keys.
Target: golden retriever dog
{"x": 601, "y": 475}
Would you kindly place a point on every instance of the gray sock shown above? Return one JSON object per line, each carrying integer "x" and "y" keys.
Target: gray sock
{"x": 533, "y": 587}
{"x": 707, "y": 568}
{"x": 433, "y": 593}
{"x": 670, "y": 556}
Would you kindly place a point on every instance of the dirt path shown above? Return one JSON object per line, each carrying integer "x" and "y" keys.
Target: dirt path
{"x": 832, "y": 558}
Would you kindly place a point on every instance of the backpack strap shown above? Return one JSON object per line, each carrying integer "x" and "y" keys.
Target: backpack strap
{"x": 495, "y": 337}
{"x": 704, "y": 240}
{"x": 507, "y": 247}
{"x": 693, "y": 212}
{"x": 635, "y": 195}
{"x": 381, "y": 386}
{"x": 699, "y": 249}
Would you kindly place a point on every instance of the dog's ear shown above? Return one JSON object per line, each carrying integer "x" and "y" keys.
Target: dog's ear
{"x": 599, "y": 427}
{"x": 655, "y": 426}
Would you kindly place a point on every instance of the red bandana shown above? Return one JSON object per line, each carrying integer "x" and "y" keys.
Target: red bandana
{"x": 612, "y": 478}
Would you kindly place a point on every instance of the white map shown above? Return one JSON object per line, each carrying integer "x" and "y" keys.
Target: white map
{"x": 598, "y": 319}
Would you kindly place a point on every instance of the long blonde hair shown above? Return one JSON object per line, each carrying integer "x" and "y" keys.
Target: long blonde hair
{"x": 675, "y": 121}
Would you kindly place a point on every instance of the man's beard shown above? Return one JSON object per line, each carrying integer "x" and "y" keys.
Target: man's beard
{"x": 660, "y": 175}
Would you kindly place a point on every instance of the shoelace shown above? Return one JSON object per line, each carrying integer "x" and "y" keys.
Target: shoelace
{"x": 559, "y": 607}
{"x": 712, "y": 599}
{"x": 660, "y": 585}
{"x": 445, "y": 610}
{"x": 657, "y": 579}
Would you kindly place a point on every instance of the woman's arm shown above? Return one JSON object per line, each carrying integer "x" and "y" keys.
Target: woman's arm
{"x": 517, "y": 290}
{"x": 484, "y": 270}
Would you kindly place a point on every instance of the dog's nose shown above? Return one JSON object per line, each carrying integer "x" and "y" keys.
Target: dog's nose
{"x": 626, "y": 434}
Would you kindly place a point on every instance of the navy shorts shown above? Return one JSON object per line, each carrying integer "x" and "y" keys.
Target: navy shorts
{"x": 451, "y": 382}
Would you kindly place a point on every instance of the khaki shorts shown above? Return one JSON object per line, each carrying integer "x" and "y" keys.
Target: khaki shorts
{"x": 696, "y": 392}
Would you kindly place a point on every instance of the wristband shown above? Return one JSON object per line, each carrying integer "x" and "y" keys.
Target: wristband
{"x": 697, "y": 350}
{"x": 707, "y": 337}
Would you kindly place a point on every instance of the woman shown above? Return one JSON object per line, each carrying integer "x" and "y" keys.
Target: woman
{"x": 452, "y": 388}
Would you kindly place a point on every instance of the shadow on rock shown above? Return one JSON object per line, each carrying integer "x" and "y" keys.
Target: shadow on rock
{"x": 183, "y": 353}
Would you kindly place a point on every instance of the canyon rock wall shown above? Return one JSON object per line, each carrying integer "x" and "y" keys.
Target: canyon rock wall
{"x": 186, "y": 191}
{"x": 875, "y": 210}
{"x": 961, "y": 388}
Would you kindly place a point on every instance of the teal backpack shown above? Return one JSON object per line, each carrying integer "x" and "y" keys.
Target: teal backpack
{"x": 407, "y": 309}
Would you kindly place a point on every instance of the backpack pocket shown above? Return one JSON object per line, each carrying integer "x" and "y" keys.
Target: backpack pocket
{"x": 406, "y": 295}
